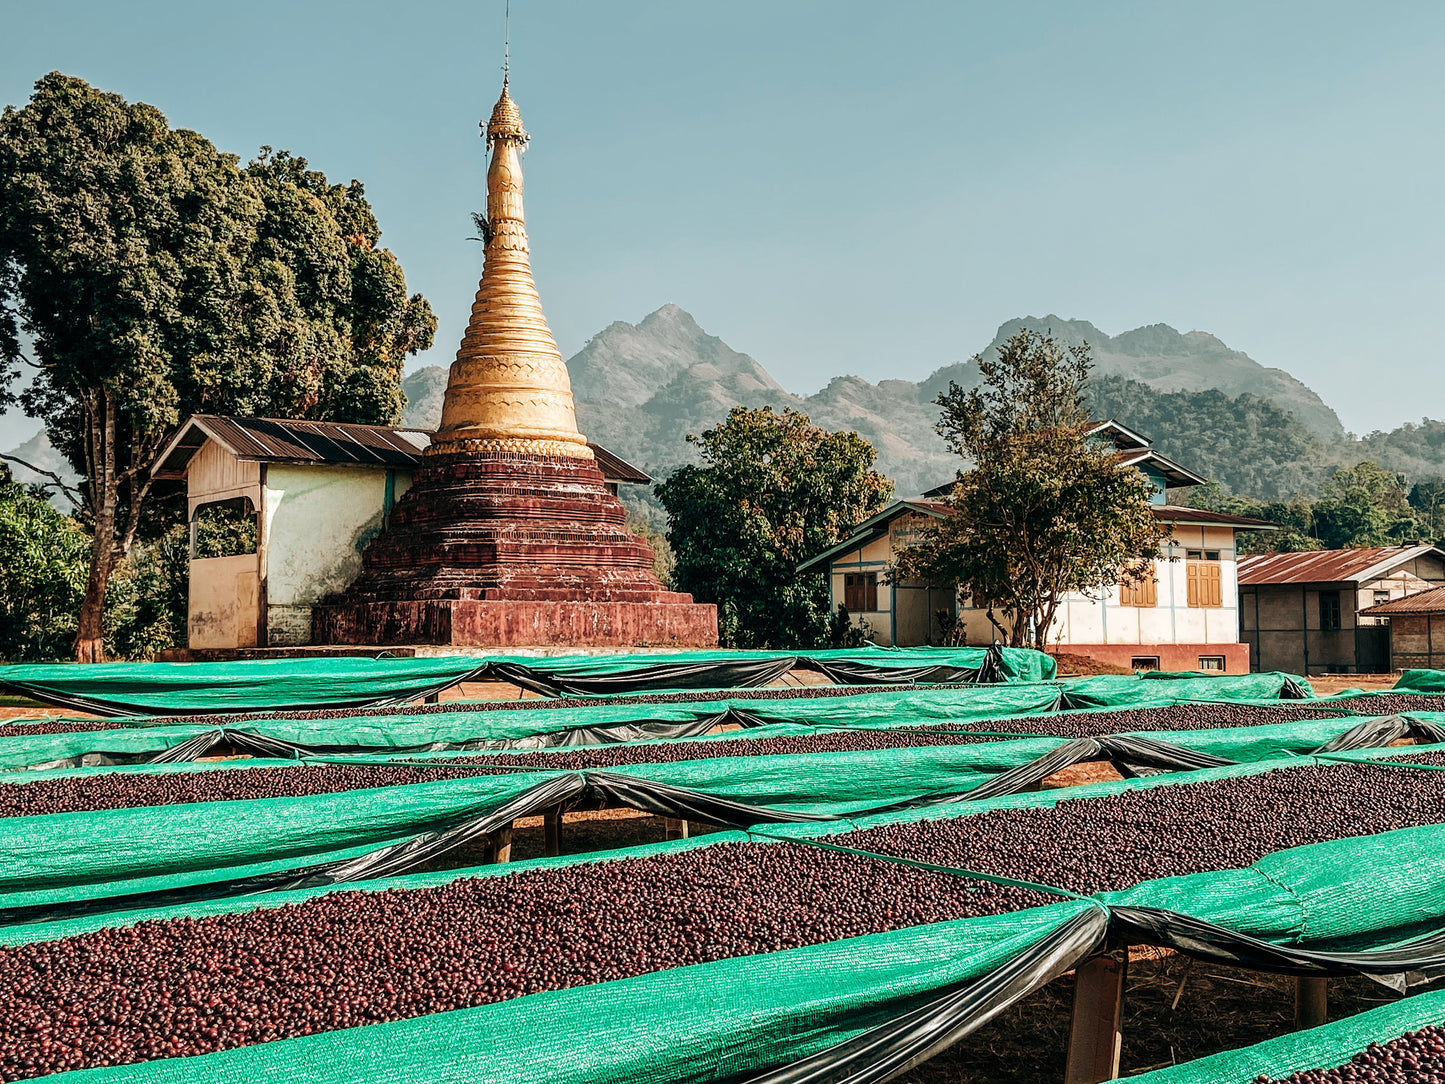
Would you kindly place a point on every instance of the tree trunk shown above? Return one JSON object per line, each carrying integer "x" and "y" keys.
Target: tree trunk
{"x": 90, "y": 628}
{"x": 104, "y": 494}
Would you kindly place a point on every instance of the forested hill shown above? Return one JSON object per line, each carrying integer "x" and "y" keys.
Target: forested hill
{"x": 1247, "y": 443}
{"x": 641, "y": 388}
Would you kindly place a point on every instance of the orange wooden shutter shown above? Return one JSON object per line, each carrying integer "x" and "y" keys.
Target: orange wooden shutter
{"x": 1191, "y": 574}
{"x": 1212, "y": 587}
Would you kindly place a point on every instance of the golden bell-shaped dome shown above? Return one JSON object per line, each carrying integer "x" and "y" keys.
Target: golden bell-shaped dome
{"x": 508, "y": 390}
{"x": 506, "y": 119}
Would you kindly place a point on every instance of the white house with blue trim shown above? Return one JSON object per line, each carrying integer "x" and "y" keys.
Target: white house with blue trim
{"x": 1185, "y": 618}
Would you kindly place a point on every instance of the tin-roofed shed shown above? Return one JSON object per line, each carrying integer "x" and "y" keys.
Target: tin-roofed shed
{"x": 1417, "y": 629}
{"x": 316, "y": 493}
{"x": 1322, "y": 611}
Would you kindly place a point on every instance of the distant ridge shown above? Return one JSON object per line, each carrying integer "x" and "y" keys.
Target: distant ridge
{"x": 641, "y": 388}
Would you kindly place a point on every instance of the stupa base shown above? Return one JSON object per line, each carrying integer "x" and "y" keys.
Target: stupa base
{"x": 518, "y": 623}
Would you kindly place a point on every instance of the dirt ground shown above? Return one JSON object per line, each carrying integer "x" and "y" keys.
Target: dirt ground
{"x": 1330, "y": 684}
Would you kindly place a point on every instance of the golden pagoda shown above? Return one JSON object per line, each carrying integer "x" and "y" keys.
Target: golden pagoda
{"x": 508, "y": 389}
{"x": 508, "y": 535}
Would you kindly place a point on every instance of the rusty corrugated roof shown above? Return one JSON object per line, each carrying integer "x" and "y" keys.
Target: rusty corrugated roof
{"x": 276, "y": 440}
{"x": 1328, "y": 566}
{"x": 1431, "y": 601}
{"x": 1178, "y": 513}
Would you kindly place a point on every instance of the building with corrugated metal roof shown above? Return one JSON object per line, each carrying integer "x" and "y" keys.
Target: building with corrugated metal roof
{"x": 1323, "y": 611}
{"x": 1182, "y": 617}
{"x": 317, "y": 493}
{"x": 1417, "y": 629}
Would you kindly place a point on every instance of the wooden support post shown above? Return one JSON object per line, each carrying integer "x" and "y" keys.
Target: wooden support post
{"x": 502, "y": 843}
{"x": 1094, "y": 1036}
{"x": 674, "y": 828}
{"x": 552, "y": 831}
{"x": 1311, "y": 1001}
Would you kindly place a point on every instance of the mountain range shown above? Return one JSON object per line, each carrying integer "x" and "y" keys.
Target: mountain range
{"x": 640, "y": 389}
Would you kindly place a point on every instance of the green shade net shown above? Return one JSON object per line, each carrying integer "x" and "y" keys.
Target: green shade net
{"x": 1318, "y": 1048}
{"x": 1421, "y": 681}
{"x": 715, "y": 1020}
{"x": 887, "y": 709}
{"x": 275, "y": 684}
{"x": 55, "y": 858}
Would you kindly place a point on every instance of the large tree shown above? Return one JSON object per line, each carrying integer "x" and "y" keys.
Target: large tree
{"x": 772, "y": 491}
{"x": 153, "y": 277}
{"x": 1043, "y": 510}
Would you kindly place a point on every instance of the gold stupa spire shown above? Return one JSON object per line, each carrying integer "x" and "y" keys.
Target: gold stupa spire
{"x": 508, "y": 390}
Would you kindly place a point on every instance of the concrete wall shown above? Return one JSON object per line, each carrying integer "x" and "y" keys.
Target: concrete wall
{"x": 1281, "y": 622}
{"x": 1172, "y": 657}
{"x": 318, "y": 520}
{"x": 1085, "y": 622}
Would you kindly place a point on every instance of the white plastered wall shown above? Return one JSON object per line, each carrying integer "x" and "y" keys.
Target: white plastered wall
{"x": 1171, "y": 620}
{"x": 318, "y": 520}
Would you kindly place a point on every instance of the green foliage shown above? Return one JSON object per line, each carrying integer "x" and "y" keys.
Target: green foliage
{"x": 146, "y": 606}
{"x": 1247, "y": 443}
{"x": 225, "y": 530}
{"x": 1427, "y": 498}
{"x": 772, "y": 491}
{"x": 1359, "y": 506}
{"x": 43, "y": 557}
{"x": 1364, "y": 506}
{"x": 157, "y": 278}
{"x": 663, "y": 559}
{"x": 1043, "y": 510}
{"x": 1414, "y": 450}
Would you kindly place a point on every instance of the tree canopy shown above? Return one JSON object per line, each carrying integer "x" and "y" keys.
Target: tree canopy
{"x": 1360, "y": 505}
{"x": 154, "y": 277}
{"x": 1043, "y": 510}
{"x": 772, "y": 491}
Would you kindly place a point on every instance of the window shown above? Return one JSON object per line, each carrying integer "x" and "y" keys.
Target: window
{"x": 1381, "y": 597}
{"x": 223, "y": 529}
{"x": 860, "y": 592}
{"x": 1144, "y": 662}
{"x": 1329, "y": 610}
{"x": 1141, "y": 592}
{"x": 1211, "y": 662}
{"x": 1202, "y": 584}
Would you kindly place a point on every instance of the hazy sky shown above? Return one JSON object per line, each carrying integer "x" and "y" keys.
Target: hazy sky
{"x": 838, "y": 187}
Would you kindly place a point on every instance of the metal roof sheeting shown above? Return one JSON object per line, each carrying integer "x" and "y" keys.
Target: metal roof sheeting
{"x": 1421, "y": 602}
{"x": 1178, "y": 513}
{"x": 277, "y": 440}
{"x": 616, "y": 469}
{"x": 1328, "y": 566}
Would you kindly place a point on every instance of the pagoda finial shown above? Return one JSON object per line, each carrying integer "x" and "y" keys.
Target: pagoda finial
{"x": 506, "y": 120}
{"x": 508, "y": 390}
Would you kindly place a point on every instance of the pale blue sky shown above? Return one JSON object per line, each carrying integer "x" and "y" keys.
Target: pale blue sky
{"x": 839, "y": 187}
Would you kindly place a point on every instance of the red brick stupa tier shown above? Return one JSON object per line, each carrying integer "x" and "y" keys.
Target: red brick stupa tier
{"x": 508, "y": 536}
{"x": 506, "y": 549}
